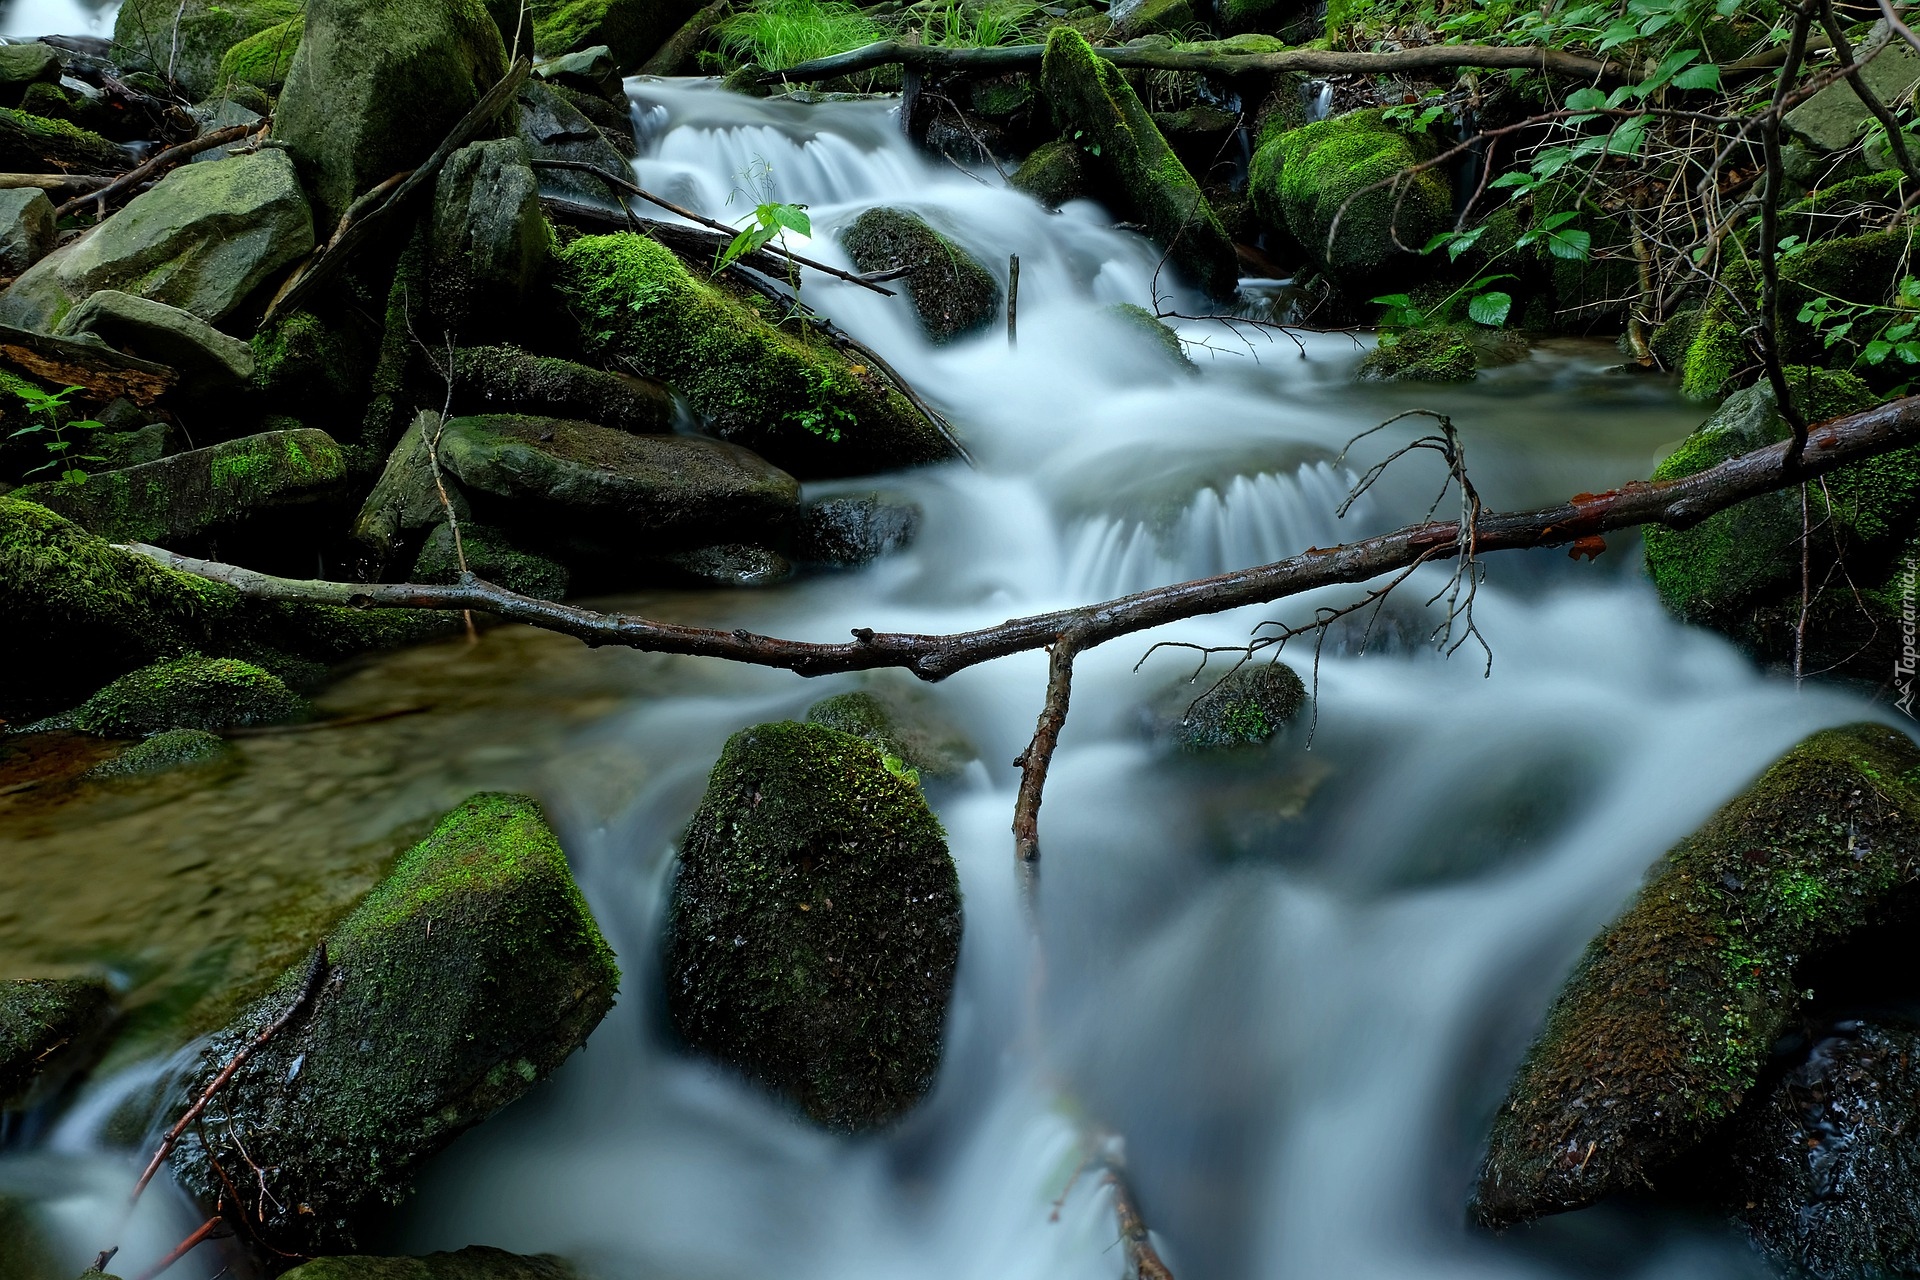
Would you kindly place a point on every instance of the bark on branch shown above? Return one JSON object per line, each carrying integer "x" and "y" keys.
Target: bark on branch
{"x": 1678, "y": 503}
{"x": 998, "y": 61}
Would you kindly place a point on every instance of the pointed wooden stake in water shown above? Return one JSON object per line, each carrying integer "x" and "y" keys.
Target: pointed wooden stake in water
{"x": 1013, "y": 299}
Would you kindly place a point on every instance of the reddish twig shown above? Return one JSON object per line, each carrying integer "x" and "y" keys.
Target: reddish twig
{"x": 182, "y": 1249}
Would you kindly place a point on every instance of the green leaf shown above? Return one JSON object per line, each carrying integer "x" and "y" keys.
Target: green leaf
{"x": 1586, "y": 100}
{"x": 1704, "y": 76}
{"x": 1876, "y": 351}
{"x": 1490, "y": 308}
{"x": 1908, "y": 352}
{"x": 1839, "y": 333}
{"x": 1901, "y": 332}
{"x": 1515, "y": 179}
{"x": 1392, "y": 300}
{"x": 1572, "y": 245}
{"x": 793, "y": 217}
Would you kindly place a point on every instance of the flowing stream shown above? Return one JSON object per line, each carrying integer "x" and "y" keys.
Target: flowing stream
{"x": 1295, "y": 981}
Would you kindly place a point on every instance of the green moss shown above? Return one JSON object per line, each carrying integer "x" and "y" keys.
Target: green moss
{"x": 168, "y": 749}
{"x": 189, "y": 692}
{"x": 31, "y": 143}
{"x": 1301, "y": 179}
{"x": 789, "y": 397}
{"x": 472, "y": 970}
{"x": 39, "y": 1018}
{"x": 506, "y": 379}
{"x": 952, "y": 294}
{"x": 188, "y": 38}
{"x": 1246, "y": 708}
{"x": 475, "y": 1262}
{"x": 1441, "y": 354}
{"x": 1665, "y": 1024}
{"x": 1158, "y": 331}
{"x": 262, "y": 59}
{"x": 815, "y": 924}
{"x": 1671, "y": 341}
{"x": 903, "y": 724}
{"x": 1716, "y": 351}
{"x": 491, "y": 556}
{"x": 303, "y": 361}
{"x": 1053, "y": 174}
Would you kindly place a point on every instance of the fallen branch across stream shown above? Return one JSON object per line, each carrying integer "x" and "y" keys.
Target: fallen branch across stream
{"x": 984, "y": 62}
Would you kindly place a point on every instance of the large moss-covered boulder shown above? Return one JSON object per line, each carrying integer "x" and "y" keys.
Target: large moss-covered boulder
{"x": 34, "y": 143}
{"x": 24, "y": 65}
{"x": 203, "y": 239}
{"x": 187, "y": 42}
{"x": 489, "y": 239}
{"x": 953, "y": 294}
{"x": 205, "y": 358}
{"x": 1825, "y": 1171}
{"x": 1664, "y": 1026}
{"x": 815, "y": 924}
{"x": 643, "y": 494}
{"x": 508, "y": 380}
{"x": 1090, "y": 95}
{"x": 1300, "y": 180}
{"x": 180, "y": 500}
{"x": 467, "y": 975}
{"x": 630, "y": 29}
{"x": 264, "y": 58}
{"x": 475, "y": 1262}
{"x": 787, "y": 395}
{"x": 903, "y": 722}
{"x": 48, "y": 1026}
{"x": 376, "y": 85}
{"x": 80, "y": 611}
{"x": 189, "y": 692}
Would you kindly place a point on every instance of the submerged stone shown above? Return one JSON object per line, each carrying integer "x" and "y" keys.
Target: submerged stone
{"x": 1666, "y": 1022}
{"x": 48, "y": 1028}
{"x": 1245, "y": 708}
{"x": 475, "y": 1262}
{"x": 815, "y": 924}
{"x": 180, "y": 499}
{"x": 464, "y": 978}
{"x": 788, "y": 396}
{"x": 1164, "y": 339}
{"x": 189, "y": 692}
{"x": 1090, "y": 95}
{"x": 854, "y": 528}
{"x": 953, "y": 294}
{"x": 168, "y": 749}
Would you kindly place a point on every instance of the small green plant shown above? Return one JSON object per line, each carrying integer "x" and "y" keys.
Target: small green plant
{"x": 771, "y": 219}
{"x": 1895, "y": 341}
{"x": 1484, "y": 305}
{"x": 62, "y": 456}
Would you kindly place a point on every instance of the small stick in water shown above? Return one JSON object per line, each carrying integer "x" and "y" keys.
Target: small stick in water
{"x": 1013, "y": 299}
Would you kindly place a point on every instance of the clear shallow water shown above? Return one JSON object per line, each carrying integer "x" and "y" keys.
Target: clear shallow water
{"x": 1296, "y": 983}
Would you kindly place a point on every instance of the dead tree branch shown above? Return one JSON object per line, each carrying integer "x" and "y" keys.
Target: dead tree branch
{"x": 1035, "y": 760}
{"x": 159, "y": 164}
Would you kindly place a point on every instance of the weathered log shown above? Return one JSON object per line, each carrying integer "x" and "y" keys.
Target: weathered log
{"x": 1026, "y": 57}
{"x": 102, "y": 371}
{"x": 57, "y": 183}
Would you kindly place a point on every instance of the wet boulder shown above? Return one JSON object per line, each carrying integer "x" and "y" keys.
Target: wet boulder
{"x": 1054, "y": 173}
{"x": 32, "y": 143}
{"x": 49, "y": 1027}
{"x": 490, "y": 241}
{"x": 630, "y": 29}
{"x": 1135, "y": 18}
{"x": 376, "y": 85}
{"x": 903, "y": 722}
{"x": 165, "y": 751}
{"x": 1835, "y": 118}
{"x": 475, "y": 1262}
{"x": 554, "y": 128}
{"x": 23, "y": 65}
{"x": 489, "y": 555}
{"x": 1244, "y": 708}
{"x": 186, "y": 42}
{"x": 508, "y": 380}
{"x": 852, "y": 529}
{"x": 1302, "y": 178}
{"x": 406, "y": 499}
{"x": 189, "y": 692}
{"x": 590, "y": 70}
{"x": 262, "y": 59}
{"x": 1826, "y": 1166}
{"x": 815, "y": 925}
{"x": 464, "y": 978}
{"x": 1089, "y": 94}
{"x": 723, "y": 564}
{"x": 1664, "y": 1026}
{"x": 1443, "y": 353}
{"x": 1151, "y": 333}
{"x": 205, "y": 358}
{"x": 179, "y": 501}
{"x": 203, "y": 239}
{"x": 640, "y": 495}
{"x": 788, "y": 396}
{"x": 953, "y": 294}
{"x": 26, "y": 229}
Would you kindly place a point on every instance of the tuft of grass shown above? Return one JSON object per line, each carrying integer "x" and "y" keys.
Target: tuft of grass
{"x": 978, "y": 26}
{"x": 780, "y": 33}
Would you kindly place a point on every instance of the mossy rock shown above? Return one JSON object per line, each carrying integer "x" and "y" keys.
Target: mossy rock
{"x": 179, "y": 500}
{"x": 1289, "y": 18}
{"x": 189, "y": 692}
{"x": 464, "y": 978}
{"x": 407, "y": 498}
{"x": 25, "y": 65}
{"x": 903, "y": 723}
{"x": 1668, "y": 1019}
{"x": 631, "y": 29}
{"x": 790, "y": 397}
{"x": 951, "y": 292}
{"x": 1158, "y": 333}
{"x": 1054, "y": 173}
{"x": 1443, "y": 353}
{"x": 313, "y": 363}
{"x": 1093, "y": 101}
{"x": 164, "y": 751}
{"x": 490, "y": 555}
{"x": 475, "y": 1262}
{"x": 48, "y": 1028}
{"x": 504, "y": 379}
{"x": 1725, "y": 571}
{"x": 1823, "y": 1171}
{"x": 203, "y": 239}
{"x": 263, "y": 58}
{"x": 555, "y": 129}
{"x": 1135, "y": 18}
{"x": 854, "y": 528}
{"x": 1246, "y": 708}
{"x": 81, "y": 612}
{"x": 815, "y": 925}
{"x": 32, "y": 143}
{"x": 1672, "y": 340}
{"x": 490, "y": 240}
{"x": 206, "y": 359}
{"x": 189, "y": 43}
{"x": 1300, "y": 180}
{"x": 26, "y": 228}
{"x": 58, "y": 102}
{"x": 376, "y": 85}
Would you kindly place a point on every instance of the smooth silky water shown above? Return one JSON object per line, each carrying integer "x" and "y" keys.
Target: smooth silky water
{"x": 1296, "y": 980}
